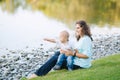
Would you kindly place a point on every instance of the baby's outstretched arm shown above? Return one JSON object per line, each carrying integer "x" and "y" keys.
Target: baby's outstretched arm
{"x": 50, "y": 40}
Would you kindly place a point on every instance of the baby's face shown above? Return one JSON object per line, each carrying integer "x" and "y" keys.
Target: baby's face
{"x": 63, "y": 38}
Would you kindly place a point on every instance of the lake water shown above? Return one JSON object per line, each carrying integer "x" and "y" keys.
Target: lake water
{"x": 26, "y": 28}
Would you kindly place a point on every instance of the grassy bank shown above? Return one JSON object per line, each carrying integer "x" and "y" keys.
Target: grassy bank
{"x": 107, "y": 68}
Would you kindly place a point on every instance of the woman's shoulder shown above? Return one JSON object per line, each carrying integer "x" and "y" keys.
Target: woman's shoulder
{"x": 86, "y": 39}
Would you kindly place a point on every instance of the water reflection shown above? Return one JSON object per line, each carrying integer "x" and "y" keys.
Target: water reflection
{"x": 26, "y": 28}
{"x": 98, "y": 12}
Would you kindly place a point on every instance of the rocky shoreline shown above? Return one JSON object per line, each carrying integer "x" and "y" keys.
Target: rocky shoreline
{"x": 21, "y": 63}
{"x": 106, "y": 45}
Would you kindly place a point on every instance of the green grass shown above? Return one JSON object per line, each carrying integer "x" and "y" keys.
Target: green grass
{"x": 107, "y": 68}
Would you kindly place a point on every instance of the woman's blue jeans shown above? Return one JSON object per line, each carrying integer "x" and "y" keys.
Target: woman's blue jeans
{"x": 44, "y": 69}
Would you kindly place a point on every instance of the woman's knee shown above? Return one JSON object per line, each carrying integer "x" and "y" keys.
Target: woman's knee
{"x": 57, "y": 53}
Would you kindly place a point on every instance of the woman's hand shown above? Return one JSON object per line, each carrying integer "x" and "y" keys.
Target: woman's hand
{"x": 62, "y": 51}
{"x": 76, "y": 51}
{"x": 67, "y": 52}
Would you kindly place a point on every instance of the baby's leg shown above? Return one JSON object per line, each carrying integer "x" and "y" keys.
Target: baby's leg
{"x": 59, "y": 63}
{"x": 70, "y": 63}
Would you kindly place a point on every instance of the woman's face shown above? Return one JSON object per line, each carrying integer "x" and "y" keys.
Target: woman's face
{"x": 78, "y": 30}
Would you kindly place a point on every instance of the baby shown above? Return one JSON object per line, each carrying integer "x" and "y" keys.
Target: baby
{"x": 64, "y": 44}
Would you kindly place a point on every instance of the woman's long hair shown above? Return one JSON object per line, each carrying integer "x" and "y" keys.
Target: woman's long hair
{"x": 85, "y": 29}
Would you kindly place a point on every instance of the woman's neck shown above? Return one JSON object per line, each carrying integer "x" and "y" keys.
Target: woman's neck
{"x": 78, "y": 38}
{"x": 82, "y": 35}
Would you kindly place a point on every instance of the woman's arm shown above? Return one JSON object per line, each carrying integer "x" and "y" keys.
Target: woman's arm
{"x": 50, "y": 40}
{"x": 80, "y": 55}
{"x": 73, "y": 53}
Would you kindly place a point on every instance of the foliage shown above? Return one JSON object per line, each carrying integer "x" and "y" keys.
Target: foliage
{"x": 68, "y": 11}
{"x": 94, "y": 11}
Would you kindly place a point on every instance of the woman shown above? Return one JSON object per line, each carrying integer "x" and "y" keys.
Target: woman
{"x": 82, "y": 53}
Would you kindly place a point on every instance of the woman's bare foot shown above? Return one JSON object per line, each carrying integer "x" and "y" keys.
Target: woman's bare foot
{"x": 32, "y": 76}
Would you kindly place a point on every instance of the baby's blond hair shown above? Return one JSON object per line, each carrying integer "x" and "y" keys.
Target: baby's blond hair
{"x": 65, "y": 33}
